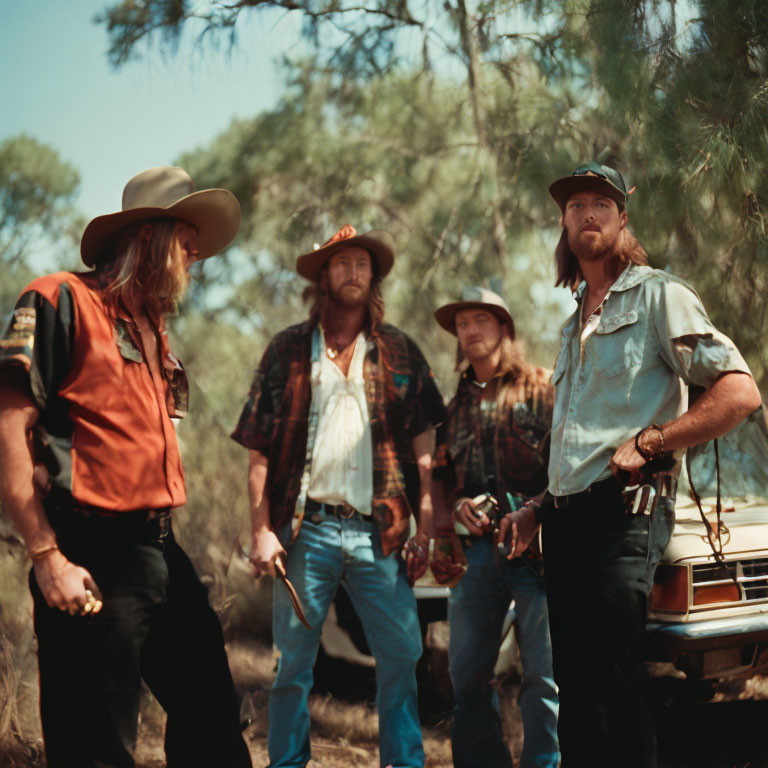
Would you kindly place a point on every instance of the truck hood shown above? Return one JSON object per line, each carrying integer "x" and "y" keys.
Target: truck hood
{"x": 744, "y": 531}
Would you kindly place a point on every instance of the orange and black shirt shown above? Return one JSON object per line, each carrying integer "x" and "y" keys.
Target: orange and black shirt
{"x": 105, "y": 430}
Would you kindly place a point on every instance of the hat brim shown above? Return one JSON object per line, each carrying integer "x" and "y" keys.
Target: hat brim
{"x": 446, "y": 315}
{"x": 377, "y": 242}
{"x": 215, "y": 213}
{"x": 562, "y": 189}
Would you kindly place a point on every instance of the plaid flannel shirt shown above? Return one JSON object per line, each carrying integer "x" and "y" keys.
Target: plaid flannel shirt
{"x": 519, "y": 443}
{"x": 403, "y": 401}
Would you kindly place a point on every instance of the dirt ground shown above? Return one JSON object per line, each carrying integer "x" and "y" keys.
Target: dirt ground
{"x": 728, "y": 732}
{"x": 344, "y": 733}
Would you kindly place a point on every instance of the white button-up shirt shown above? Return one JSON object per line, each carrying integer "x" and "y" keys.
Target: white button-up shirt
{"x": 342, "y": 455}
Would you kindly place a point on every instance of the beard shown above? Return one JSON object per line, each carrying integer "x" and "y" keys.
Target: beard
{"x": 593, "y": 249}
{"x": 349, "y": 296}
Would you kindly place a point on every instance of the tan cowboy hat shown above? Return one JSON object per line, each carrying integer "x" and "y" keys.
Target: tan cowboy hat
{"x": 377, "y": 242}
{"x": 474, "y": 297}
{"x": 166, "y": 191}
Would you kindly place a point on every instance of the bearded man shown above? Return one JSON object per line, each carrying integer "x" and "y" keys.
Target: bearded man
{"x": 495, "y": 441}
{"x": 339, "y": 405}
{"x": 639, "y": 338}
{"x": 90, "y": 471}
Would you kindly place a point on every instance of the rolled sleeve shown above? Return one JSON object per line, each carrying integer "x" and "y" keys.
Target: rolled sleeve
{"x": 697, "y": 352}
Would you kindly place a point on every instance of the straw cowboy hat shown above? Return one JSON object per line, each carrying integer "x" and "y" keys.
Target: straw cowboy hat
{"x": 166, "y": 191}
{"x": 377, "y": 242}
{"x": 474, "y": 297}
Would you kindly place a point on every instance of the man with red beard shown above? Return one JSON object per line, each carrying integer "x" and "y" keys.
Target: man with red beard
{"x": 338, "y": 408}
{"x": 638, "y": 339}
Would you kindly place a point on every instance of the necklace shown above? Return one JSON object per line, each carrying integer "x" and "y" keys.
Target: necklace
{"x": 331, "y": 352}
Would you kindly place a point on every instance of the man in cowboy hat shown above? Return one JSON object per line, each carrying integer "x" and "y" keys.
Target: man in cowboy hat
{"x": 638, "y": 339}
{"x": 90, "y": 471}
{"x": 339, "y": 405}
{"x": 495, "y": 441}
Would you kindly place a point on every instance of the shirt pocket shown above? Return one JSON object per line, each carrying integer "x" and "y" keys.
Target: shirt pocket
{"x": 618, "y": 343}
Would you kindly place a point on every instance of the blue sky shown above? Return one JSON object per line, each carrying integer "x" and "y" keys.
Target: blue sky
{"x": 57, "y": 86}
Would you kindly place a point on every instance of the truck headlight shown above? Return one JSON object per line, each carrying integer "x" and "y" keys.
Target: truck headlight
{"x": 671, "y": 588}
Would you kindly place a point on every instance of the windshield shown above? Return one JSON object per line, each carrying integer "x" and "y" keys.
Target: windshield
{"x": 743, "y": 462}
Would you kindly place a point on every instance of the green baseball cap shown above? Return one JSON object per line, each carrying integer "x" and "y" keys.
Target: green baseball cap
{"x": 601, "y": 178}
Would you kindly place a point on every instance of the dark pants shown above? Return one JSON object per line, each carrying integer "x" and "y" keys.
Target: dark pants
{"x": 599, "y": 564}
{"x": 156, "y": 624}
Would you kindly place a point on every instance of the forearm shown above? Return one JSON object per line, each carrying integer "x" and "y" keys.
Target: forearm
{"x": 257, "y": 483}
{"x": 17, "y": 487}
{"x": 727, "y": 402}
{"x": 423, "y": 449}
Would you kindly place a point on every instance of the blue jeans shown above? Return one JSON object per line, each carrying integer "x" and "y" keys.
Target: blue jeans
{"x": 324, "y": 555}
{"x": 476, "y": 610}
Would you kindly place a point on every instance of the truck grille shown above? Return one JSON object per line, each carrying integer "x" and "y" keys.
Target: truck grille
{"x": 751, "y": 575}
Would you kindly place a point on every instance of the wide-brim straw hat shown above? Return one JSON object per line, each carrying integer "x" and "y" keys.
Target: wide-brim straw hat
{"x": 594, "y": 176}
{"x": 170, "y": 192}
{"x": 474, "y": 297}
{"x": 377, "y": 242}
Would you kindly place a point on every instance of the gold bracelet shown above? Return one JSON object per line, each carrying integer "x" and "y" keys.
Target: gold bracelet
{"x": 39, "y": 554}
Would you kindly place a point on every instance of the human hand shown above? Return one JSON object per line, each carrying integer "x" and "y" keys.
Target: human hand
{"x": 416, "y": 554}
{"x": 449, "y": 563}
{"x": 518, "y": 528}
{"x": 67, "y": 586}
{"x": 265, "y": 550}
{"x": 474, "y": 520}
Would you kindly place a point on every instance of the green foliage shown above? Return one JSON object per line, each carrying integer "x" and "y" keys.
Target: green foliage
{"x": 675, "y": 94}
{"x": 37, "y": 189}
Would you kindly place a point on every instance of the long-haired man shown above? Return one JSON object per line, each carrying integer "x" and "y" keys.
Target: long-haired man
{"x": 90, "y": 472}
{"x": 339, "y": 405}
{"x": 638, "y": 338}
{"x": 495, "y": 441}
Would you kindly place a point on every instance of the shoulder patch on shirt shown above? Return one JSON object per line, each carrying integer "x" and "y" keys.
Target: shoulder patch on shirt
{"x": 24, "y": 319}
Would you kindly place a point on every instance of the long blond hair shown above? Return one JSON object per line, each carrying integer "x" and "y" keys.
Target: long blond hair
{"x": 516, "y": 380}
{"x": 628, "y": 251}
{"x": 141, "y": 267}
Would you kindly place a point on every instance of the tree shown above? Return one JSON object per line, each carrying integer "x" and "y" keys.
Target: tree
{"x": 37, "y": 192}
{"x": 673, "y": 93}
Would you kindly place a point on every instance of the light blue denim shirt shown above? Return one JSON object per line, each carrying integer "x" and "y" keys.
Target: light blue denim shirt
{"x": 653, "y": 340}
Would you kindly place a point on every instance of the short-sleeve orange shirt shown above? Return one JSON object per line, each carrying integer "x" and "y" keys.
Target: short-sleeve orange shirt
{"x": 105, "y": 430}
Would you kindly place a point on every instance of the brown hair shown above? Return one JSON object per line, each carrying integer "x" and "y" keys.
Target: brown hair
{"x": 142, "y": 268}
{"x": 628, "y": 251}
{"x": 316, "y": 296}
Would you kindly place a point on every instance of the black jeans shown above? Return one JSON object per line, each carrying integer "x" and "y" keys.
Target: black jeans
{"x": 599, "y": 564}
{"x": 156, "y": 624}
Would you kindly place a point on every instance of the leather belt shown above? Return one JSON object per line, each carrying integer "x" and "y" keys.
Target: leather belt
{"x": 601, "y": 489}
{"x": 317, "y": 511}
{"x": 640, "y": 499}
{"x": 156, "y": 523}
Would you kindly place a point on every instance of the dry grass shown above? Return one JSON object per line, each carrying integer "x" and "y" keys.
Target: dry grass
{"x": 344, "y": 734}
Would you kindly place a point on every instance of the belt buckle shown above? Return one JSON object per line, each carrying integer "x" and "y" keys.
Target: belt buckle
{"x": 346, "y": 511}
{"x": 163, "y": 525}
